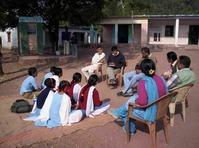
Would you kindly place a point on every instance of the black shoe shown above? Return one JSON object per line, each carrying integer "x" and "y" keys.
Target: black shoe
{"x": 113, "y": 86}
{"x": 120, "y": 93}
{"x": 127, "y": 94}
{"x": 112, "y": 82}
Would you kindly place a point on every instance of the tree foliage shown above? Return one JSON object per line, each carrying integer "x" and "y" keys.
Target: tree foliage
{"x": 75, "y": 12}
{"x": 140, "y": 7}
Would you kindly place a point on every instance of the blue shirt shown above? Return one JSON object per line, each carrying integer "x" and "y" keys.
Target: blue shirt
{"x": 28, "y": 85}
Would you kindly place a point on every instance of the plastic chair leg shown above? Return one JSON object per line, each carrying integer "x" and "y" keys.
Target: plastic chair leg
{"x": 172, "y": 107}
{"x": 183, "y": 110}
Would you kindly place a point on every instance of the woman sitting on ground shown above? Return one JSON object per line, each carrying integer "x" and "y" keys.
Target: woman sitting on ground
{"x": 89, "y": 100}
{"x": 75, "y": 88}
{"x": 49, "y": 86}
{"x": 44, "y": 95}
{"x": 59, "y": 109}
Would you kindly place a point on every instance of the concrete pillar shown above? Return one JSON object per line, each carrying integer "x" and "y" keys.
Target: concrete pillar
{"x": 85, "y": 37}
{"x": 130, "y": 34}
{"x": 60, "y": 37}
{"x": 144, "y": 33}
{"x": 44, "y": 38}
{"x": 116, "y": 34}
{"x": 176, "y": 31}
{"x": 132, "y": 42}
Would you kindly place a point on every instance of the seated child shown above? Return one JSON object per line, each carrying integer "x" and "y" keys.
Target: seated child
{"x": 49, "y": 86}
{"x": 29, "y": 87}
{"x": 60, "y": 109}
{"x": 48, "y": 75}
{"x": 89, "y": 100}
{"x": 57, "y": 74}
{"x": 75, "y": 86}
{"x": 41, "y": 99}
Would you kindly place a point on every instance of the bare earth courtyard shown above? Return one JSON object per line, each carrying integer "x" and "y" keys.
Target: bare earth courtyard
{"x": 101, "y": 131}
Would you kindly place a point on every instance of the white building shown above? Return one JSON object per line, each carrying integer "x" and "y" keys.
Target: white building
{"x": 8, "y": 38}
{"x": 152, "y": 29}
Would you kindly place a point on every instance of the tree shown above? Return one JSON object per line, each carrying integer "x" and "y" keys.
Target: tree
{"x": 76, "y": 12}
{"x": 124, "y": 7}
{"x": 140, "y": 7}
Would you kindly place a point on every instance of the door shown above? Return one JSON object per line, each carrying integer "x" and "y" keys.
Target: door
{"x": 123, "y": 33}
{"x": 193, "y": 34}
{"x": 32, "y": 38}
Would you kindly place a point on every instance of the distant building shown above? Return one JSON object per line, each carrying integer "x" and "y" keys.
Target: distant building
{"x": 152, "y": 29}
{"x": 31, "y": 38}
{"x": 85, "y": 35}
{"x": 8, "y": 38}
{"x": 31, "y": 35}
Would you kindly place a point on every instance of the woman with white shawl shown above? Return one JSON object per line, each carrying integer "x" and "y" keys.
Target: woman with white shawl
{"x": 89, "y": 100}
{"x": 60, "y": 108}
{"x": 75, "y": 87}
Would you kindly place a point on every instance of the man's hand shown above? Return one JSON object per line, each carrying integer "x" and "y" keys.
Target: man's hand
{"x": 111, "y": 64}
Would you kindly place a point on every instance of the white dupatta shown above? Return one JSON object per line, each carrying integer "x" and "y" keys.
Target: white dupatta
{"x": 76, "y": 91}
{"x": 65, "y": 110}
{"x": 44, "y": 113}
{"x": 90, "y": 104}
{"x": 92, "y": 111}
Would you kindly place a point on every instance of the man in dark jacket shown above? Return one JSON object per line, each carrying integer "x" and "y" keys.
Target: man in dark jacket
{"x": 115, "y": 62}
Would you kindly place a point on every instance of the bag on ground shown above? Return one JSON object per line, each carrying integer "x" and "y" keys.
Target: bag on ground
{"x": 21, "y": 106}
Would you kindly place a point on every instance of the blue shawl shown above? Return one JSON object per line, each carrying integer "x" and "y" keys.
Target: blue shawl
{"x": 152, "y": 93}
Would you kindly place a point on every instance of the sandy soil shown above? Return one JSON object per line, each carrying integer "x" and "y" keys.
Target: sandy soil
{"x": 101, "y": 131}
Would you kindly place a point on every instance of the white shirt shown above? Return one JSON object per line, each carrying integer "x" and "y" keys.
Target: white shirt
{"x": 56, "y": 81}
{"x": 48, "y": 75}
{"x": 97, "y": 57}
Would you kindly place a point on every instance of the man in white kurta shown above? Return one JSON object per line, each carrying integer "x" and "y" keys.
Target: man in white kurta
{"x": 97, "y": 59}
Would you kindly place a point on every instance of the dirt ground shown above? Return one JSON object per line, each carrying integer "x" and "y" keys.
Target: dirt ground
{"x": 101, "y": 131}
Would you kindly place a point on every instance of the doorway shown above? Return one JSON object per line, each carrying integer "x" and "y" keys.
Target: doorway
{"x": 193, "y": 34}
{"x": 122, "y": 33}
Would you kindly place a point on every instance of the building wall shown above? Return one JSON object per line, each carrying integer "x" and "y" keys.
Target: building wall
{"x": 158, "y": 26}
{"x": 140, "y": 31}
{"x": 184, "y": 30}
{"x": 183, "y": 35}
{"x": 144, "y": 32}
{"x": 144, "y": 29}
{"x": 137, "y": 34}
{"x": 13, "y": 38}
{"x": 107, "y": 34}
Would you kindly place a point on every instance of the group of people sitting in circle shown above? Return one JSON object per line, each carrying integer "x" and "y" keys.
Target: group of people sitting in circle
{"x": 63, "y": 103}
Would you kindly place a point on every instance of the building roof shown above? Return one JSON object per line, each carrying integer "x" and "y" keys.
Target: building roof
{"x": 128, "y": 19}
{"x": 158, "y": 16}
